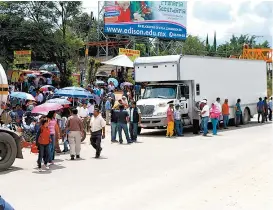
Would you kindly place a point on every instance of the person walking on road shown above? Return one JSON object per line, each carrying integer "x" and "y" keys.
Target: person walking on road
{"x": 196, "y": 118}
{"x": 123, "y": 119}
{"x": 97, "y": 126}
{"x": 135, "y": 120}
{"x": 114, "y": 126}
{"x": 219, "y": 107}
{"x": 205, "y": 117}
{"x": 75, "y": 130}
{"x": 225, "y": 112}
{"x": 54, "y": 134}
{"x": 270, "y": 109}
{"x": 238, "y": 113}
{"x": 170, "y": 121}
{"x": 108, "y": 110}
{"x": 42, "y": 141}
{"x": 177, "y": 121}
{"x": 265, "y": 109}
{"x": 260, "y": 110}
{"x": 214, "y": 116}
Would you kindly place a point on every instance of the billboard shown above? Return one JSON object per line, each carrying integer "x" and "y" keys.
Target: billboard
{"x": 132, "y": 54}
{"x": 22, "y": 57}
{"x": 162, "y": 19}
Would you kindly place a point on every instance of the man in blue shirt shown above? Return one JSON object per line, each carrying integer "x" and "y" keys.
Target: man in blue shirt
{"x": 260, "y": 110}
{"x": 108, "y": 110}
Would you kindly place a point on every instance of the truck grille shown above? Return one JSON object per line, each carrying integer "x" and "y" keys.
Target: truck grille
{"x": 147, "y": 110}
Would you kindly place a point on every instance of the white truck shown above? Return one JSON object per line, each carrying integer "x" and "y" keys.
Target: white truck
{"x": 189, "y": 79}
{"x": 10, "y": 142}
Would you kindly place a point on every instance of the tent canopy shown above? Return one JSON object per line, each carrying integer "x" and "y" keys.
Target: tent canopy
{"x": 120, "y": 60}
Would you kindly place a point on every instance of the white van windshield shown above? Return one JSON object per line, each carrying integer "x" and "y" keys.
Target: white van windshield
{"x": 167, "y": 92}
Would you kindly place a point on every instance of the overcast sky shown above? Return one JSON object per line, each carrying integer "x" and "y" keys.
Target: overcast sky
{"x": 224, "y": 17}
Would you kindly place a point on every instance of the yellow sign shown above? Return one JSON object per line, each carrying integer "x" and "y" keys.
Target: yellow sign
{"x": 22, "y": 57}
{"x": 132, "y": 54}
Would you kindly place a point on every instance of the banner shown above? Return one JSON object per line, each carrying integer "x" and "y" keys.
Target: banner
{"x": 132, "y": 54}
{"x": 162, "y": 19}
{"x": 22, "y": 57}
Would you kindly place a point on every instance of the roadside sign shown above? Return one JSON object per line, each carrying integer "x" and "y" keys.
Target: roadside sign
{"x": 22, "y": 57}
{"x": 132, "y": 54}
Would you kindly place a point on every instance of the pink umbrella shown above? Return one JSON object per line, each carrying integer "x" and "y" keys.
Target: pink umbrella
{"x": 45, "y": 108}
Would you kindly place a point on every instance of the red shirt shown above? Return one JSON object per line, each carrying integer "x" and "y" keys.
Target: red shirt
{"x": 44, "y": 137}
{"x": 124, "y": 16}
{"x": 170, "y": 115}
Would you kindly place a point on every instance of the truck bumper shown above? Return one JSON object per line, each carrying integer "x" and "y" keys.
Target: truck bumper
{"x": 154, "y": 122}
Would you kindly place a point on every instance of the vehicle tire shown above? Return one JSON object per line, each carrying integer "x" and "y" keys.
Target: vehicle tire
{"x": 8, "y": 150}
{"x": 138, "y": 130}
{"x": 84, "y": 136}
{"x": 246, "y": 116}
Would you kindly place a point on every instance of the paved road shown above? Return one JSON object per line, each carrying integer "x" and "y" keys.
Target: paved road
{"x": 227, "y": 172}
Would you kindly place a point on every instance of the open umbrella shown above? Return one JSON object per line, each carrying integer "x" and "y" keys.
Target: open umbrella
{"x": 127, "y": 84}
{"x": 61, "y": 101}
{"x": 46, "y": 107}
{"x": 99, "y": 82}
{"x": 73, "y": 88}
{"x": 31, "y": 76}
{"x": 115, "y": 82}
{"x": 73, "y": 93}
{"x": 47, "y": 88}
{"x": 22, "y": 95}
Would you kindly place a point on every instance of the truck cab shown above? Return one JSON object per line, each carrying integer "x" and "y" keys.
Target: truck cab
{"x": 155, "y": 102}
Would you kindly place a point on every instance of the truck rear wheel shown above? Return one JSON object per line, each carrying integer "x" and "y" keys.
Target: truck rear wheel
{"x": 8, "y": 150}
{"x": 246, "y": 116}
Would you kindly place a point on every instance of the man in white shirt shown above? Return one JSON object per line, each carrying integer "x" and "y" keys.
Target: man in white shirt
{"x": 177, "y": 121}
{"x": 219, "y": 107}
{"x": 40, "y": 97}
{"x": 84, "y": 114}
{"x": 205, "y": 117}
{"x": 97, "y": 126}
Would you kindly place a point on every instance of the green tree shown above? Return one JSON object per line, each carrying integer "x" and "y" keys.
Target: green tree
{"x": 194, "y": 46}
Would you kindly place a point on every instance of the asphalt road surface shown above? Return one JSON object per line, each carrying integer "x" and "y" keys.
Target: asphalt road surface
{"x": 230, "y": 171}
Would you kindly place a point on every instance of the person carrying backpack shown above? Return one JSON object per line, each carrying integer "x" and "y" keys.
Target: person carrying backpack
{"x": 260, "y": 110}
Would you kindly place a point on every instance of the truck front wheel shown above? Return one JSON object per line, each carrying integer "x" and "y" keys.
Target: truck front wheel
{"x": 8, "y": 151}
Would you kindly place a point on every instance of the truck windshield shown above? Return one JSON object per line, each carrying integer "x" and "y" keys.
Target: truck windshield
{"x": 168, "y": 92}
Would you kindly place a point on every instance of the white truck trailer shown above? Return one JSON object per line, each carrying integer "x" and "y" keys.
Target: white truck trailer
{"x": 189, "y": 79}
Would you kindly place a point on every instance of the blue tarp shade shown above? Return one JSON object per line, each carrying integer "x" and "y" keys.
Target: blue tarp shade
{"x": 73, "y": 93}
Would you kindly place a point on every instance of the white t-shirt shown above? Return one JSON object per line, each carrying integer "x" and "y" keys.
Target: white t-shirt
{"x": 40, "y": 98}
{"x": 97, "y": 123}
{"x": 111, "y": 87}
{"x": 219, "y": 107}
{"x": 83, "y": 112}
{"x": 49, "y": 81}
{"x": 132, "y": 113}
{"x": 91, "y": 108}
{"x": 205, "y": 108}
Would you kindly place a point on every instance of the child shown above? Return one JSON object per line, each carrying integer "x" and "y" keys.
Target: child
{"x": 177, "y": 121}
{"x": 42, "y": 141}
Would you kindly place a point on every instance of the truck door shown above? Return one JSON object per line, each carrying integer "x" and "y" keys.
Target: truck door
{"x": 187, "y": 92}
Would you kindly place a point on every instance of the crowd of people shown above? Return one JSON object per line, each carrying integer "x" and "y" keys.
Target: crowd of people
{"x": 216, "y": 113}
{"x": 71, "y": 123}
